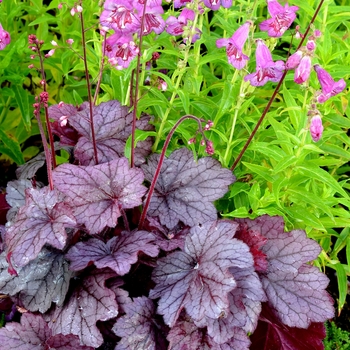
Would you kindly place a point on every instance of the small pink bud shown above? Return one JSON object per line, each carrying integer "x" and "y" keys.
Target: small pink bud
{"x": 162, "y": 85}
{"x": 50, "y": 53}
{"x": 316, "y": 128}
{"x": 60, "y": 5}
{"x": 70, "y": 41}
{"x": 32, "y": 57}
{"x": 73, "y": 11}
{"x": 294, "y": 60}
{"x": 192, "y": 140}
{"x": 43, "y": 82}
{"x": 60, "y": 104}
{"x": 317, "y": 33}
{"x": 41, "y": 42}
{"x": 79, "y": 9}
{"x": 33, "y": 48}
{"x": 31, "y": 66}
{"x": 53, "y": 42}
{"x": 209, "y": 149}
{"x": 63, "y": 120}
{"x": 311, "y": 45}
{"x": 202, "y": 143}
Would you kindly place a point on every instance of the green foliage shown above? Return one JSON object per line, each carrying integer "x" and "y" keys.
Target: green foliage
{"x": 336, "y": 339}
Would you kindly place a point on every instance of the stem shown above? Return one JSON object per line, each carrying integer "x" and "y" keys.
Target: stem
{"x": 46, "y": 149}
{"x": 125, "y": 219}
{"x": 137, "y": 78}
{"x": 274, "y": 93}
{"x": 48, "y": 125}
{"x": 88, "y": 88}
{"x": 101, "y": 70}
{"x": 160, "y": 163}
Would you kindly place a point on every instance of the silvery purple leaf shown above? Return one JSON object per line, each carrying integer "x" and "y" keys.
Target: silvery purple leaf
{"x": 138, "y": 328}
{"x": 299, "y": 298}
{"x": 245, "y": 306}
{"x": 185, "y": 188}
{"x": 66, "y": 342}
{"x": 90, "y": 302}
{"x": 41, "y": 282}
{"x": 99, "y": 192}
{"x": 119, "y": 253}
{"x": 29, "y": 169}
{"x": 198, "y": 278}
{"x": 113, "y": 126}
{"x": 42, "y": 220}
{"x": 30, "y": 334}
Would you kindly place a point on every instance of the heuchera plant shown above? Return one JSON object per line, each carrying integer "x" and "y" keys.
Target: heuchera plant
{"x": 73, "y": 250}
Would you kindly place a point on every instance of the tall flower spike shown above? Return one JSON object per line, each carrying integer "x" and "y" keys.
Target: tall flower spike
{"x": 316, "y": 127}
{"x": 4, "y": 38}
{"x": 328, "y": 85}
{"x": 266, "y": 68}
{"x": 234, "y": 46}
{"x": 282, "y": 18}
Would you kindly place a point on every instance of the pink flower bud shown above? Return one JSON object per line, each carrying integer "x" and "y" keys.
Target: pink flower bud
{"x": 43, "y": 82}
{"x": 294, "y": 60}
{"x": 79, "y": 9}
{"x": 316, "y": 128}
{"x": 53, "y": 42}
{"x": 192, "y": 140}
{"x": 317, "y": 33}
{"x": 50, "y": 53}
{"x": 73, "y": 11}
{"x": 302, "y": 72}
{"x": 209, "y": 149}
{"x": 70, "y": 41}
{"x": 60, "y": 104}
{"x": 60, "y": 5}
{"x": 32, "y": 57}
{"x": 311, "y": 45}
{"x": 63, "y": 120}
{"x": 31, "y": 66}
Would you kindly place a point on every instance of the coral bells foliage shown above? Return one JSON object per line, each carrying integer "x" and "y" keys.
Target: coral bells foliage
{"x": 69, "y": 254}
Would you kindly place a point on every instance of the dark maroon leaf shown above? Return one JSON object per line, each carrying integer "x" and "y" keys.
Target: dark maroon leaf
{"x": 245, "y": 307}
{"x": 255, "y": 241}
{"x": 99, "y": 192}
{"x": 138, "y": 328}
{"x": 112, "y": 125}
{"x": 41, "y": 220}
{"x": 167, "y": 239}
{"x": 4, "y": 208}
{"x": 90, "y": 302}
{"x": 60, "y": 126}
{"x": 30, "y": 334}
{"x": 198, "y": 278}
{"x": 41, "y": 282}
{"x": 119, "y": 253}
{"x": 186, "y": 189}
{"x": 271, "y": 334}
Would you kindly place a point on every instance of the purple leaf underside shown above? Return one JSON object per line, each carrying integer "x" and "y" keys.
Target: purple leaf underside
{"x": 42, "y": 220}
{"x": 274, "y": 335}
{"x": 90, "y": 302}
{"x": 185, "y": 188}
{"x": 98, "y": 193}
{"x": 119, "y": 253}
{"x": 41, "y": 282}
{"x": 113, "y": 126}
{"x": 198, "y": 278}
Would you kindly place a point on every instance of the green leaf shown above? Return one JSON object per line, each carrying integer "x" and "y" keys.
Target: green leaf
{"x": 43, "y": 19}
{"x": 140, "y": 135}
{"x": 78, "y": 100}
{"x": 284, "y": 163}
{"x": 265, "y": 173}
{"x": 12, "y": 148}
{"x": 185, "y": 99}
{"x": 342, "y": 285}
{"x": 319, "y": 174}
{"x": 293, "y": 109}
{"x": 23, "y": 104}
{"x": 341, "y": 242}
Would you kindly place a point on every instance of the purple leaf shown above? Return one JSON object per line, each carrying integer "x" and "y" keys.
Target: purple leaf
{"x": 90, "y": 302}
{"x": 29, "y": 169}
{"x": 119, "y": 253}
{"x": 198, "y": 278}
{"x": 113, "y": 125}
{"x": 273, "y": 335}
{"x": 42, "y": 220}
{"x": 245, "y": 307}
{"x": 30, "y": 334}
{"x": 185, "y": 188}
{"x": 137, "y": 328}
{"x": 99, "y": 192}
{"x": 66, "y": 342}
{"x": 41, "y": 282}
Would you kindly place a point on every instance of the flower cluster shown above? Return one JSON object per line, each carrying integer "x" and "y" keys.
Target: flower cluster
{"x": 5, "y": 38}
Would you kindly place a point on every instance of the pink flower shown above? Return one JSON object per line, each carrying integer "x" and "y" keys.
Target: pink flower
{"x": 329, "y": 86}
{"x": 316, "y": 128}
{"x": 234, "y": 46}
{"x": 266, "y": 68}
{"x": 5, "y": 38}
{"x": 302, "y": 72}
{"x": 282, "y": 18}
{"x": 294, "y": 60}
{"x": 215, "y": 4}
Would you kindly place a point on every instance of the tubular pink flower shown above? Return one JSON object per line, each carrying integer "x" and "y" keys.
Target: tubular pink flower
{"x": 215, "y": 4}
{"x": 294, "y": 60}
{"x": 316, "y": 128}
{"x": 266, "y": 68}
{"x": 328, "y": 85}
{"x": 234, "y": 46}
{"x": 282, "y": 18}
{"x": 302, "y": 72}
{"x": 5, "y": 38}
{"x": 153, "y": 16}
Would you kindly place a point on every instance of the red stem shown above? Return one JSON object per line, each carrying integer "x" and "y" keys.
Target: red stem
{"x": 160, "y": 163}
{"x": 101, "y": 70}
{"x": 274, "y": 93}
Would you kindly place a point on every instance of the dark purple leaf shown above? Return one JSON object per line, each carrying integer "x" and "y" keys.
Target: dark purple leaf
{"x": 41, "y": 282}
{"x": 66, "y": 342}
{"x": 29, "y": 169}
{"x": 245, "y": 307}
{"x": 186, "y": 189}
{"x": 166, "y": 239}
{"x": 99, "y": 192}
{"x": 273, "y": 335}
{"x": 30, "y": 334}
{"x": 41, "y": 220}
{"x": 113, "y": 125}
{"x": 198, "y": 278}
{"x": 299, "y": 298}
{"x": 90, "y": 302}
{"x": 239, "y": 341}
{"x": 138, "y": 328}
{"x": 119, "y": 253}
{"x": 61, "y": 115}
